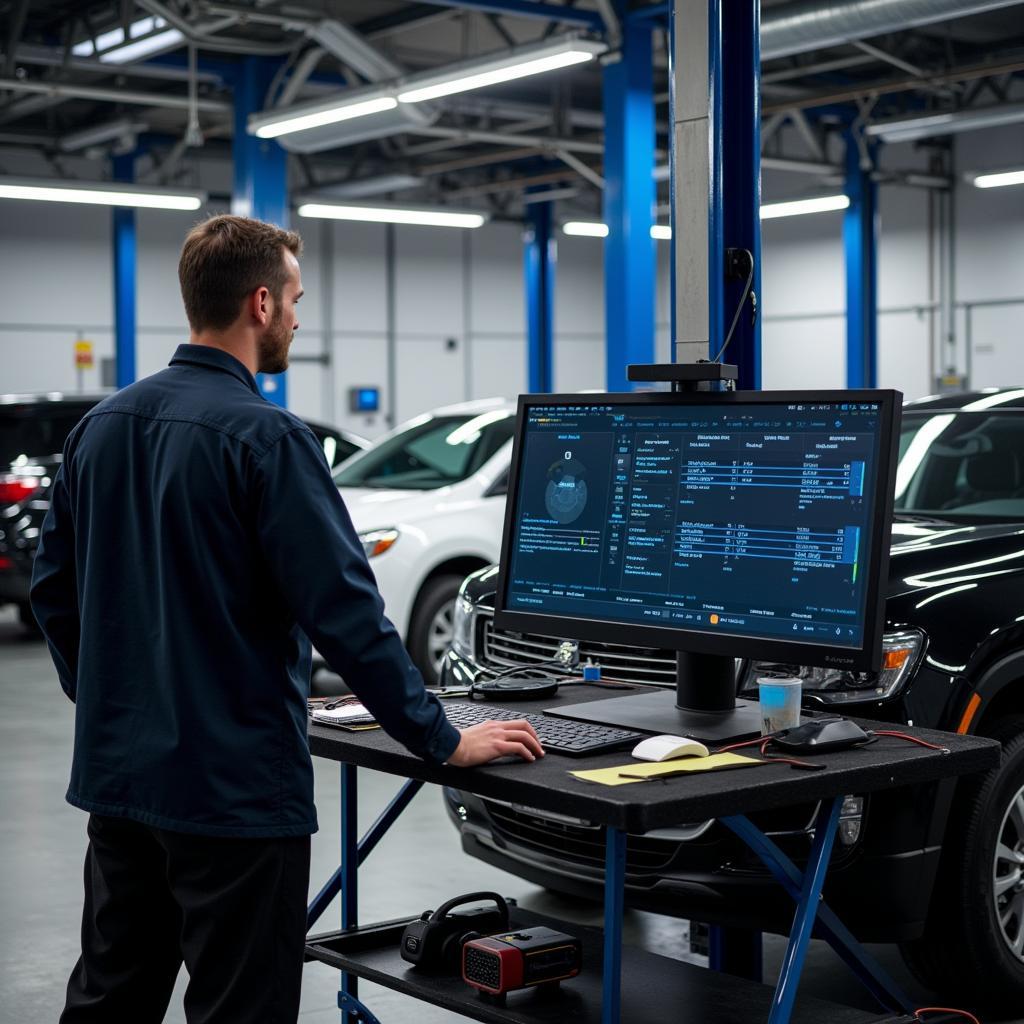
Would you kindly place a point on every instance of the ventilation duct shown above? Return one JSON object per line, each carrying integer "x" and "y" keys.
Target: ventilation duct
{"x": 812, "y": 25}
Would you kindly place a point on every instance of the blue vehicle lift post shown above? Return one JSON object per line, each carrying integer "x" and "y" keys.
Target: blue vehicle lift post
{"x": 123, "y": 228}
{"x": 860, "y": 248}
{"x": 540, "y": 255}
{"x": 629, "y": 250}
{"x": 260, "y": 187}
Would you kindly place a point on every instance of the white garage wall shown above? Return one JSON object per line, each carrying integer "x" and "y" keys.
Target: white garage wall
{"x": 458, "y": 325}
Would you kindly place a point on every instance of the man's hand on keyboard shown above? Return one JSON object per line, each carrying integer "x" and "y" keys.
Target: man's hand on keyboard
{"x": 490, "y": 740}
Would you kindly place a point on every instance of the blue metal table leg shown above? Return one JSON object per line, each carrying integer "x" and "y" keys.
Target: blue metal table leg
{"x": 373, "y": 836}
{"x": 349, "y": 876}
{"x": 825, "y": 827}
{"x": 614, "y": 892}
{"x": 871, "y": 974}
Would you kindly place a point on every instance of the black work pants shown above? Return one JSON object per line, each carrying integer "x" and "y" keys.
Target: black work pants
{"x": 233, "y": 910}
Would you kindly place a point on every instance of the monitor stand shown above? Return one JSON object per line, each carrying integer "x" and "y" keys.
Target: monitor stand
{"x": 704, "y": 705}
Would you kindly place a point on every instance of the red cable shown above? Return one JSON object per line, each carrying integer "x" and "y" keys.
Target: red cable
{"x": 945, "y": 1009}
{"x": 910, "y": 739}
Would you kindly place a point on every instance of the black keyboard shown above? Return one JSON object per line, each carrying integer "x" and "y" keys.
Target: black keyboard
{"x": 559, "y": 735}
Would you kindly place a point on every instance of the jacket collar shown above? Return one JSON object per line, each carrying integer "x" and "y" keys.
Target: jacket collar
{"x": 210, "y": 358}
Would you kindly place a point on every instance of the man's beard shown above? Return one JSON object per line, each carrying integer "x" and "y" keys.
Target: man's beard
{"x": 274, "y": 345}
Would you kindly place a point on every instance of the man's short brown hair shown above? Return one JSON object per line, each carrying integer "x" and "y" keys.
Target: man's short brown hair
{"x": 226, "y": 258}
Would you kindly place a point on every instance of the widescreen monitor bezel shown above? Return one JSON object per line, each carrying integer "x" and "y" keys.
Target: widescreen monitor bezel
{"x": 865, "y": 658}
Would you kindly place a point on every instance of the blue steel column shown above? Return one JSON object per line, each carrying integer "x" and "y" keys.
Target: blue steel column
{"x": 629, "y": 250}
{"x": 860, "y": 246}
{"x": 540, "y": 255}
{"x": 124, "y": 278}
{"x": 261, "y": 177}
{"x": 738, "y": 124}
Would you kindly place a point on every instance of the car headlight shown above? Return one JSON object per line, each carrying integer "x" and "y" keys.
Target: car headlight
{"x": 462, "y": 626}
{"x": 901, "y": 651}
{"x": 376, "y": 542}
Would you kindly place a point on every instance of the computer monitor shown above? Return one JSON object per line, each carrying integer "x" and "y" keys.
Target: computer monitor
{"x": 716, "y": 524}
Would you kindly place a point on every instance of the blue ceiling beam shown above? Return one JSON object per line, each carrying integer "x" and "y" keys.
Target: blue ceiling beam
{"x": 529, "y": 9}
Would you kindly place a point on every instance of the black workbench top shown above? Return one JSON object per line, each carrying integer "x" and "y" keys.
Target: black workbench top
{"x": 546, "y": 784}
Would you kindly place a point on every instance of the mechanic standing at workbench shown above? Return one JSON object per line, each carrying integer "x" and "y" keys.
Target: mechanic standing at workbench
{"x": 194, "y": 542}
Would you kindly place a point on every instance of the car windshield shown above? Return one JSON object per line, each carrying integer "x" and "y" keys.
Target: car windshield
{"x": 431, "y": 452}
{"x": 962, "y": 464}
{"x": 36, "y": 430}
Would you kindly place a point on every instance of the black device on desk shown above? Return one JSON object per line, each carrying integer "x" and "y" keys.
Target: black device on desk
{"x": 716, "y": 524}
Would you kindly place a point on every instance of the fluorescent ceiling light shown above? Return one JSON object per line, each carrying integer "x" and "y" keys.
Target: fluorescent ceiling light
{"x": 109, "y": 46}
{"x": 100, "y": 194}
{"x": 586, "y": 228}
{"x": 143, "y": 47}
{"x": 796, "y": 207}
{"x": 663, "y": 232}
{"x": 998, "y": 179}
{"x": 437, "y": 217}
{"x": 297, "y": 119}
{"x": 362, "y": 187}
{"x": 97, "y": 134}
{"x": 502, "y": 67}
{"x": 381, "y": 96}
{"x": 910, "y": 129}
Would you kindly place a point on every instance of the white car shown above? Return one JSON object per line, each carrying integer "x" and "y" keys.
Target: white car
{"x": 428, "y": 501}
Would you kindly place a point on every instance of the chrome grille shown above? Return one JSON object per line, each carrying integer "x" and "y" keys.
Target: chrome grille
{"x": 577, "y": 843}
{"x": 500, "y": 649}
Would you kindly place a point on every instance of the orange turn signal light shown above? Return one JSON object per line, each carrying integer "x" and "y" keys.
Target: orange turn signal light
{"x": 895, "y": 659}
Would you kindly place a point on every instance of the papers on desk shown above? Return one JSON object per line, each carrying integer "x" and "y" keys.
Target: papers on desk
{"x": 624, "y": 774}
{"x": 350, "y": 715}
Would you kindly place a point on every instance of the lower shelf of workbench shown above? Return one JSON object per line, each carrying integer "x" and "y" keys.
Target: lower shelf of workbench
{"x": 655, "y": 989}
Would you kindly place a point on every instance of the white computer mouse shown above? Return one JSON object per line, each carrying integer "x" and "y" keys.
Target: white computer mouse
{"x": 665, "y": 748}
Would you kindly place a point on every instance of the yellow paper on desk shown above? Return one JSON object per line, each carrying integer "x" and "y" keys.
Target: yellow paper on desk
{"x": 648, "y": 770}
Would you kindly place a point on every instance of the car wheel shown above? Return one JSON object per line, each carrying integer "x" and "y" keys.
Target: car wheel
{"x": 973, "y": 946}
{"x": 430, "y": 632}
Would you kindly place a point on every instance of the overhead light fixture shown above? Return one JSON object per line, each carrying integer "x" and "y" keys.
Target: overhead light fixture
{"x": 506, "y": 66}
{"x": 663, "y": 232}
{"x": 357, "y": 103}
{"x": 585, "y": 228}
{"x": 438, "y": 217}
{"x": 144, "y": 38}
{"x": 97, "y": 134}
{"x": 157, "y": 43}
{"x": 797, "y": 207}
{"x": 362, "y": 187}
{"x": 99, "y": 193}
{"x": 997, "y": 179}
{"x": 519, "y": 62}
{"x": 910, "y": 129}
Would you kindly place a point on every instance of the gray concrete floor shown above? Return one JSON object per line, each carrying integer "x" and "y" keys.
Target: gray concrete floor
{"x": 417, "y": 865}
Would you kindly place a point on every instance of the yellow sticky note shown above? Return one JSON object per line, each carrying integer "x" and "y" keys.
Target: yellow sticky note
{"x": 646, "y": 770}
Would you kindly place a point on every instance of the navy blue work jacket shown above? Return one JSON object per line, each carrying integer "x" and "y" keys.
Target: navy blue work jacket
{"x": 195, "y": 541}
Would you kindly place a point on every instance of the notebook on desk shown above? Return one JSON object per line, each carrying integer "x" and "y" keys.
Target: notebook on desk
{"x": 350, "y": 715}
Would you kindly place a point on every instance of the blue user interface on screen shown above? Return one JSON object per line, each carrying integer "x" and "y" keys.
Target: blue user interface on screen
{"x": 743, "y": 519}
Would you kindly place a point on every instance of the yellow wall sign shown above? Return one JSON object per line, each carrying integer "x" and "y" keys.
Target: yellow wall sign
{"x": 84, "y": 355}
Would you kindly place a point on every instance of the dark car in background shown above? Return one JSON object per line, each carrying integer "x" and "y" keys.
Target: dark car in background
{"x": 937, "y": 868}
{"x": 33, "y": 429}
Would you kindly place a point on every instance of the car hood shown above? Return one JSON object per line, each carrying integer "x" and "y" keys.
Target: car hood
{"x": 931, "y": 553}
{"x": 379, "y": 508}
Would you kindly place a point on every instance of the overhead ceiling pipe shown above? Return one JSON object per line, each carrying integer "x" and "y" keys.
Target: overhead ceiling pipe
{"x": 812, "y": 25}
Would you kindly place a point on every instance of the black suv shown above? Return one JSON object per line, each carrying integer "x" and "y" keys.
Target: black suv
{"x": 33, "y": 429}
{"x": 937, "y": 868}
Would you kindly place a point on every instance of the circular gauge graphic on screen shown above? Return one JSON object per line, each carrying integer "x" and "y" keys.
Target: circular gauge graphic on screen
{"x": 566, "y": 494}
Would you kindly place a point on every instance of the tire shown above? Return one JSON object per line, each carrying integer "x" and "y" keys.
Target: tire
{"x": 430, "y": 630}
{"x": 973, "y": 946}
